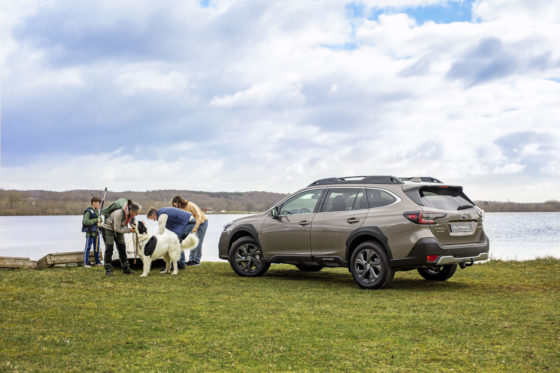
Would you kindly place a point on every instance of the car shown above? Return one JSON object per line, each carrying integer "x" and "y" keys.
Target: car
{"x": 373, "y": 225}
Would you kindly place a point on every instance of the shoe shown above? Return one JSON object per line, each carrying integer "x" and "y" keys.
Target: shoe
{"x": 127, "y": 271}
{"x": 99, "y": 265}
{"x": 87, "y": 266}
{"x": 180, "y": 266}
{"x": 192, "y": 263}
{"x": 109, "y": 273}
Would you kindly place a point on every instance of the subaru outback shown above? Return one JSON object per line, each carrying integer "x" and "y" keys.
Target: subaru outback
{"x": 373, "y": 225}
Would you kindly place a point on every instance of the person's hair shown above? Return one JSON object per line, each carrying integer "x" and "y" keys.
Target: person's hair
{"x": 95, "y": 199}
{"x": 180, "y": 201}
{"x": 151, "y": 211}
{"x": 133, "y": 206}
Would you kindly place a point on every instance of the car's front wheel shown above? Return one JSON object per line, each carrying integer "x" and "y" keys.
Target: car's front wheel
{"x": 246, "y": 258}
{"x": 438, "y": 273}
{"x": 370, "y": 267}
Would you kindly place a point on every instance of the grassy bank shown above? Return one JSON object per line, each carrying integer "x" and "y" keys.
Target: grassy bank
{"x": 494, "y": 316}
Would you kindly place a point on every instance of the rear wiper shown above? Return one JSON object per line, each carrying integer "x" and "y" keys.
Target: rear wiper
{"x": 463, "y": 207}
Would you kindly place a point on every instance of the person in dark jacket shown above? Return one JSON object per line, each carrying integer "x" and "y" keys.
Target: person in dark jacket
{"x": 90, "y": 225}
{"x": 113, "y": 230}
{"x": 174, "y": 219}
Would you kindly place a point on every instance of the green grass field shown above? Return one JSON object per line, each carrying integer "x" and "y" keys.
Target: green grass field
{"x": 498, "y": 316}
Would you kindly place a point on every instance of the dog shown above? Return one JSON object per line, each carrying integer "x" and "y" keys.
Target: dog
{"x": 166, "y": 245}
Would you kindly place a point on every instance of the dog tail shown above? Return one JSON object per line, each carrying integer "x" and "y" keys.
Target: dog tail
{"x": 190, "y": 242}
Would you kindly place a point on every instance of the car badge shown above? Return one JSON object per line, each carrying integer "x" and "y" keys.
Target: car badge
{"x": 464, "y": 216}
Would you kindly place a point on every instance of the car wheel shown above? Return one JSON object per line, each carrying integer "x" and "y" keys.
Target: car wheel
{"x": 245, "y": 258}
{"x": 370, "y": 267}
{"x": 438, "y": 273}
{"x": 309, "y": 267}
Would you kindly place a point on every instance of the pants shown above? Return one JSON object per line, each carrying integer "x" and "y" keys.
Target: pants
{"x": 91, "y": 241}
{"x": 110, "y": 237}
{"x": 196, "y": 253}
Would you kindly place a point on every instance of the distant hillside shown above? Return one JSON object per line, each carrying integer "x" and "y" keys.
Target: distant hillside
{"x": 73, "y": 202}
{"x": 492, "y": 206}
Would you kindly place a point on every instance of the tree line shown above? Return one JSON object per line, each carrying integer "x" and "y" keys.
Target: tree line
{"x": 74, "y": 202}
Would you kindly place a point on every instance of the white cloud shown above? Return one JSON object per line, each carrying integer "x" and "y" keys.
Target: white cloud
{"x": 273, "y": 95}
{"x": 142, "y": 80}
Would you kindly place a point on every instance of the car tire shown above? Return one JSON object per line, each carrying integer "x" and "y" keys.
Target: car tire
{"x": 309, "y": 267}
{"x": 245, "y": 258}
{"x": 438, "y": 273}
{"x": 369, "y": 265}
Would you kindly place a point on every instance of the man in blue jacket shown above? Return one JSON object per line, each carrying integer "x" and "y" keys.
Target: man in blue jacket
{"x": 174, "y": 219}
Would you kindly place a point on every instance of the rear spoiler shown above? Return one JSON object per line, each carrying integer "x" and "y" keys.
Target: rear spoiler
{"x": 421, "y": 179}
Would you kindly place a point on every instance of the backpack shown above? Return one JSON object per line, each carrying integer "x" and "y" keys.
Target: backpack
{"x": 118, "y": 204}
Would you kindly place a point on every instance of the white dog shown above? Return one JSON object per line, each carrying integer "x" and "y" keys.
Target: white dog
{"x": 165, "y": 245}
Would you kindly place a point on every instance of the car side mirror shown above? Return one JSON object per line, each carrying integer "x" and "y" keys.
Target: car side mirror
{"x": 275, "y": 212}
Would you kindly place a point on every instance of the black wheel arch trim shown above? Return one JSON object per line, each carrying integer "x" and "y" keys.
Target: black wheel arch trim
{"x": 249, "y": 228}
{"x": 374, "y": 232}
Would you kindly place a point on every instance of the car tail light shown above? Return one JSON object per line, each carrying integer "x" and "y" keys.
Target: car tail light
{"x": 423, "y": 217}
{"x": 432, "y": 258}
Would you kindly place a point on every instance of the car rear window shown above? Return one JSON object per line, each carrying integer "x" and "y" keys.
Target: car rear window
{"x": 443, "y": 198}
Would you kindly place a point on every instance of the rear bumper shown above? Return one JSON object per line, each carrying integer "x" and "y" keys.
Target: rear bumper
{"x": 451, "y": 259}
{"x": 446, "y": 254}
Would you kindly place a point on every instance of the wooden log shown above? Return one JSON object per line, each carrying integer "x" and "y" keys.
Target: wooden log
{"x": 13, "y": 262}
{"x": 76, "y": 257}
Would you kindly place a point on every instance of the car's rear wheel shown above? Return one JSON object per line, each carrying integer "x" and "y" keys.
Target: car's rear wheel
{"x": 370, "y": 267}
{"x": 246, "y": 258}
{"x": 309, "y": 267}
{"x": 438, "y": 273}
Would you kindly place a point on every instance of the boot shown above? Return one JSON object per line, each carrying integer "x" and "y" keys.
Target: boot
{"x": 126, "y": 269}
{"x": 108, "y": 269}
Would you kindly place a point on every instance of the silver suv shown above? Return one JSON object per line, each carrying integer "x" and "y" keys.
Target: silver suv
{"x": 373, "y": 225}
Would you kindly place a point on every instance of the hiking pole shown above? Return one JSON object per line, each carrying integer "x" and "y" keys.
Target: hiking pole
{"x": 98, "y": 227}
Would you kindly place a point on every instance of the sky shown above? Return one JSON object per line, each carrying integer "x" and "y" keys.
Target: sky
{"x": 241, "y": 95}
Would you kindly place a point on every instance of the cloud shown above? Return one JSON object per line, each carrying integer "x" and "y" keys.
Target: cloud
{"x": 490, "y": 60}
{"x": 242, "y": 95}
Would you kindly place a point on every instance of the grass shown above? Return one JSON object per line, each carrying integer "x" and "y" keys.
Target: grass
{"x": 497, "y": 316}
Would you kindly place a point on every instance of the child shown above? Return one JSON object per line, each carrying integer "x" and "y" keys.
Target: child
{"x": 90, "y": 225}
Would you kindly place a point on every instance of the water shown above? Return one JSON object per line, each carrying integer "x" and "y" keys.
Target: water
{"x": 513, "y": 236}
{"x": 37, "y": 236}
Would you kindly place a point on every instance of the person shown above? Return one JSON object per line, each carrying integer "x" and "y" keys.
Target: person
{"x": 174, "y": 219}
{"x": 113, "y": 230}
{"x": 200, "y": 226}
{"x": 90, "y": 225}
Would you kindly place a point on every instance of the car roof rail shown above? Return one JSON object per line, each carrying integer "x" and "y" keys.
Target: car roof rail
{"x": 420, "y": 179}
{"x": 375, "y": 179}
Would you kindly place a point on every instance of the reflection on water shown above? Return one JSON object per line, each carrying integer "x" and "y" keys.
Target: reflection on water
{"x": 519, "y": 236}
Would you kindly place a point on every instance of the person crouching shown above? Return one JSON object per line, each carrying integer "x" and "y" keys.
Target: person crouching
{"x": 113, "y": 230}
{"x": 174, "y": 219}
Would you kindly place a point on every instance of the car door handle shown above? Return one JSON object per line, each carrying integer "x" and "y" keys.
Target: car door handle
{"x": 352, "y": 220}
{"x": 303, "y": 223}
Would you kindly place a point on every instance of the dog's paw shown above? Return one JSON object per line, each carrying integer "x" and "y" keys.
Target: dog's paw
{"x": 143, "y": 275}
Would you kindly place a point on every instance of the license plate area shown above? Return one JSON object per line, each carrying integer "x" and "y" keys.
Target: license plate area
{"x": 461, "y": 228}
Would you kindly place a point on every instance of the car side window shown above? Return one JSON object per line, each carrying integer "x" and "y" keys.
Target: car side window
{"x": 302, "y": 203}
{"x": 380, "y": 198}
{"x": 342, "y": 199}
{"x": 361, "y": 202}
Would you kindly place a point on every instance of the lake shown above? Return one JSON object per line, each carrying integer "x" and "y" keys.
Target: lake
{"x": 513, "y": 236}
